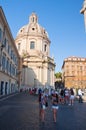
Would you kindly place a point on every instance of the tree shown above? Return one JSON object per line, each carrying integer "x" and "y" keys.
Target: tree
{"x": 58, "y": 82}
{"x": 58, "y": 75}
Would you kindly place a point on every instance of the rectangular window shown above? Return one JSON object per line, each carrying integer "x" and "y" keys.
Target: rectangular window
{"x": 11, "y": 54}
{"x": 19, "y": 44}
{"x": 5, "y": 40}
{"x": 10, "y": 68}
{"x": 7, "y": 65}
{"x": 32, "y": 45}
{"x": 8, "y": 49}
{"x": 45, "y": 48}
{"x": 3, "y": 62}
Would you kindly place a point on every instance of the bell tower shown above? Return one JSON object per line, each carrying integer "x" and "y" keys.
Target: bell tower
{"x": 83, "y": 11}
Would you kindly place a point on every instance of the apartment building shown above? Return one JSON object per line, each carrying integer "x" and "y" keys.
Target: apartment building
{"x": 9, "y": 59}
{"x": 74, "y": 72}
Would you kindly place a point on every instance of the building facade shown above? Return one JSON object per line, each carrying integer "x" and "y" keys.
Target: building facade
{"x": 9, "y": 58}
{"x": 74, "y": 72}
{"x": 33, "y": 45}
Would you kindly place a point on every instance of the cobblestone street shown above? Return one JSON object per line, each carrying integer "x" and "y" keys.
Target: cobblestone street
{"x": 21, "y": 112}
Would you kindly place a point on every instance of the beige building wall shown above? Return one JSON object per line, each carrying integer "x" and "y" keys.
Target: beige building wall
{"x": 74, "y": 72}
{"x": 9, "y": 58}
{"x": 33, "y": 44}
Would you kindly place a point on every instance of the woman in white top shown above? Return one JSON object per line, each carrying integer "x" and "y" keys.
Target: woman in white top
{"x": 71, "y": 97}
{"x": 55, "y": 105}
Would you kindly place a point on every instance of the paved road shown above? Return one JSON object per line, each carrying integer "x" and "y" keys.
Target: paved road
{"x": 21, "y": 112}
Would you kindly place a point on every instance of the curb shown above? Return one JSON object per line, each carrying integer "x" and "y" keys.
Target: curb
{"x": 3, "y": 97}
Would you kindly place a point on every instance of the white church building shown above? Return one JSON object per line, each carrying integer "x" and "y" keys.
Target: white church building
{"x": 33, "y": 45}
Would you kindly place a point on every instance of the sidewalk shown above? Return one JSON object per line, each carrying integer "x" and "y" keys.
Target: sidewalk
{"x": 2, "y": 97}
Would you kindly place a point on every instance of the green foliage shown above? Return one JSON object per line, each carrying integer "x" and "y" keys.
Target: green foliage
{"x": 58, "y": 75}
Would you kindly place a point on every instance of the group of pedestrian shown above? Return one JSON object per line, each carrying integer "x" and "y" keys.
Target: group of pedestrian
{"x": 67, "y": 96}
{"x": 43, "y": 104}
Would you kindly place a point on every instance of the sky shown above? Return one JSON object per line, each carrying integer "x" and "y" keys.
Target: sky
{"x": 60, "y": 18}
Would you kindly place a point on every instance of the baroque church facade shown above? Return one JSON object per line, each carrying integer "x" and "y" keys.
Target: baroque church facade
{"x": 33, "y": 45}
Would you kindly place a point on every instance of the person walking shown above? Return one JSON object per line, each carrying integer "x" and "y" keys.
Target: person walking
{"x": 80, "y": 95}
{"x": 39, "y": 100}
{"x": 55, "y": 105}
{"x": 66, "y": 98}
{"x": 71, "y": 97}
{"x": 62, "y": 96}
{"x": 42, "y": 106}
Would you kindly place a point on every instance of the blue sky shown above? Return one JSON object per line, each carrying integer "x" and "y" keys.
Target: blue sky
{"x": 61, "y": 19}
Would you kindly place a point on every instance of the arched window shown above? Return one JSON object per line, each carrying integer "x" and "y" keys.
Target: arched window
{"x": 32, "y": 45}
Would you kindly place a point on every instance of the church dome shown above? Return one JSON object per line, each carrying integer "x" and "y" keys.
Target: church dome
{"x": 33, "y": 28}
